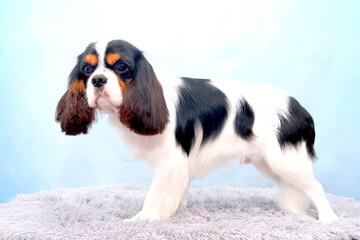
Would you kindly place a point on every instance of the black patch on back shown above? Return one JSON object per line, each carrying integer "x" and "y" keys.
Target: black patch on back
{"x": 297, "y": 127}
{"x": 199, "y": 101}
{"x": 244, "y": 120}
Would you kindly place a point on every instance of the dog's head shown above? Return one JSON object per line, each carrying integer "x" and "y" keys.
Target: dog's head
{"x": 114, "y": 78}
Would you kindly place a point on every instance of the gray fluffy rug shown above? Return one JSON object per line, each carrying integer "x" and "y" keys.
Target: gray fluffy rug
{"x": 212, "y": 213}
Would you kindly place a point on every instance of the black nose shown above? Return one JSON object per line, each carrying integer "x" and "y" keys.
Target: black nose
{"x": 99, "y": 81}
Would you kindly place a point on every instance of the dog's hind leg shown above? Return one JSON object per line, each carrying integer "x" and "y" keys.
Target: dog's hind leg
{"x": 295, "y": 168}
{"x": 290, "y": 198}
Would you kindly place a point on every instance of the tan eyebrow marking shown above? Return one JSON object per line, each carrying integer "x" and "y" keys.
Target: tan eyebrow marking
{"x": 111, "y": 58}
{"x": 77, "y": 86}
{"x": 91, "y": 59}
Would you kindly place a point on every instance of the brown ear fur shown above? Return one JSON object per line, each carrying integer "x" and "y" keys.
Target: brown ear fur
{"x": 73, "y": 112}
{"x": 144, "y": 108}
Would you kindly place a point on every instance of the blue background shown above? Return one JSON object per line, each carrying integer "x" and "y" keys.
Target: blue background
{"x": 310, "y": 49}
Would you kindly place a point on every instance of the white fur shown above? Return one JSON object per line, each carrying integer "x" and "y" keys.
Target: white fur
{"x": 292, "y": 168}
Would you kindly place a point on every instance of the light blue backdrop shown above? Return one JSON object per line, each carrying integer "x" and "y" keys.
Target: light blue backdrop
{"x": 308, "y": 48}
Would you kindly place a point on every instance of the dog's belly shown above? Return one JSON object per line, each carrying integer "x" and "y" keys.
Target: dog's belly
{"x": 204, "y": 159}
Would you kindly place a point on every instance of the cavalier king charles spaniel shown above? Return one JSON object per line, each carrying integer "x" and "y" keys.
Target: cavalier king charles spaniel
{"x": 186, "y": 127}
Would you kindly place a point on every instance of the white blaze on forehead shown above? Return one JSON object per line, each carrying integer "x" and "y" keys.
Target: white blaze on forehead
{"x": 109, "y": 96}
{"x": 100, "y": 49}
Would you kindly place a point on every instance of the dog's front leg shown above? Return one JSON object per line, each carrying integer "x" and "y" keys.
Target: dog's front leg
{"x": 170, "y": 182}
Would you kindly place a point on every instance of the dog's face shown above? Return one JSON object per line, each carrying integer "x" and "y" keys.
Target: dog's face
{"x": 113, "y": 77}
{"x": 109, "y": 69}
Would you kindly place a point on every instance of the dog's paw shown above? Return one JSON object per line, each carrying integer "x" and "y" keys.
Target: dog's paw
{"x": 137, "y": 217}
{"x": 133, "y": 219}
{"x": 328, "y": 218}
{"x": 149, "y": 216}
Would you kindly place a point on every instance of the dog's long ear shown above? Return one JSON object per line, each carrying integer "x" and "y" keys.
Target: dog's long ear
{"x": 144, "y": 108}
{"x": 73, "y": 112}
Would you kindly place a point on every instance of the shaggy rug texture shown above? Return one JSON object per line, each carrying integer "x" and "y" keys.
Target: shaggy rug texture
{"x": 220, "y": 212}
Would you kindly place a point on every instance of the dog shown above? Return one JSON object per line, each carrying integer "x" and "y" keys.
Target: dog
{"x": 186, "y": 127}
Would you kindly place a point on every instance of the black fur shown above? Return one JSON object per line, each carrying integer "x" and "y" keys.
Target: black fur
{"x": 244, "y": 120}
{"x": 296, "y": 127}
{"x": 199, "y": 101}
{"x": 77, "y": 72}
{"x": 129, "y": 55}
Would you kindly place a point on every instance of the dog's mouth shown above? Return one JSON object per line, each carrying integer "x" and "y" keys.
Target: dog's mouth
{"x": 104, "y": 102}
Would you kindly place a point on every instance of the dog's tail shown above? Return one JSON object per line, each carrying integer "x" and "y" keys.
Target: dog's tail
{"x": 292, "y": 199}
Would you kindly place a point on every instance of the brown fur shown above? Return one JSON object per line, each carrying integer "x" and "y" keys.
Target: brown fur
{"x": 73, "y": 112}
{"x": 144, "y": 108}
{"x": 91, "y": 59}
{"x": 124, "y": 85}
{"x": 77, "y": 87}
{"x": 111, "y": 58}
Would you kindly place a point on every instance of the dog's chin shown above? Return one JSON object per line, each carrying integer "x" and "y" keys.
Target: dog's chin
{"x": 105, "y": 105}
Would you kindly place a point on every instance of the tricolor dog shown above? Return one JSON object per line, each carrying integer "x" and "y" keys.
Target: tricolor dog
{"x": 185, "y": 127}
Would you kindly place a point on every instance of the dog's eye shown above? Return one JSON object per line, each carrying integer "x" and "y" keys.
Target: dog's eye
{"x": 87, "y": 69}
{"x": 121, "y": 67}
